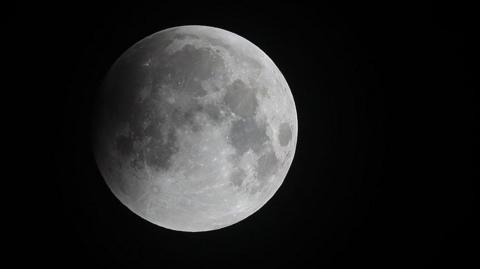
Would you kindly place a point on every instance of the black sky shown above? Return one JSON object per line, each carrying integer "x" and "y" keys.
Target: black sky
{"x": 383, "y": 171}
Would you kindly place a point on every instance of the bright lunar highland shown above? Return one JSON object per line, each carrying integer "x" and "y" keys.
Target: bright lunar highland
{"x": 195, "y": 128}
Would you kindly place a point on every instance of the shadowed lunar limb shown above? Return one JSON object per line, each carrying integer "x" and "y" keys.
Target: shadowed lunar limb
{"x": 195, "y": 128}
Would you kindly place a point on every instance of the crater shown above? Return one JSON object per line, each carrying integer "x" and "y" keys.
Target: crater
{"x": 241, "y": 99}
{"x": 247, "y": 134}
{"x": 284, "y": 134}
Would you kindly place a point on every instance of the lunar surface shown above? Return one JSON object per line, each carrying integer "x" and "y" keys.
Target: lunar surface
{"x": 195, "y": 128}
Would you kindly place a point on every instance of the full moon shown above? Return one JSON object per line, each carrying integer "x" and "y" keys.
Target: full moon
{"x": 194, "y": 128}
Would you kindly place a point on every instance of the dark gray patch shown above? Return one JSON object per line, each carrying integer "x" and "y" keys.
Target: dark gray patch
{"x": 138, "y": 162}
{"x": 237, "y": 177}
{"x": 247, "y": 134}
{"x": 158, "y": 153}
{"x": 146, "y": 121}
{"x": 128, "y": 76}
{"x": 124, "y": 145}
{"x": 267, "y": 165}
{"x": 284, "y": 134}
{"x": 213, "y": 111}
{"x": 187, "y": 68}
{"x": 116, "y": 101}
{"x": 118, "y": 94}
{"x": 241, "y": 99}
{"x": 185, "y": 117}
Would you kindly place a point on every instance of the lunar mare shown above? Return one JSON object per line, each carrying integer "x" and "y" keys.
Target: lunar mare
{"x": 195, "y": 128}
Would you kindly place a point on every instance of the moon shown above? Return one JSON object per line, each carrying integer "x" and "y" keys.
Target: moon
{"x": 194, "y": 128}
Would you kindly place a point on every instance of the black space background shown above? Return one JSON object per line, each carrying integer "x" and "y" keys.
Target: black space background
{"x": 383, "y": 171}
